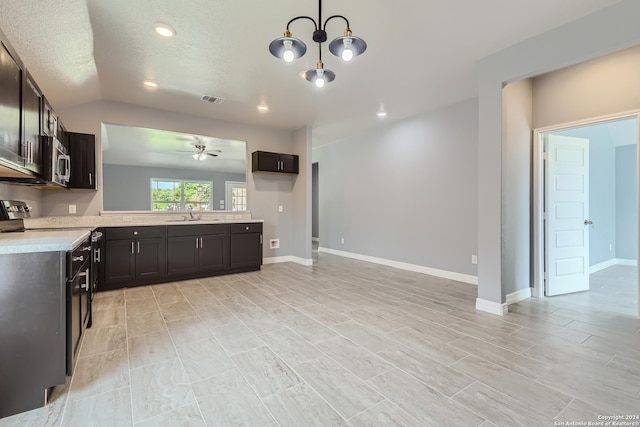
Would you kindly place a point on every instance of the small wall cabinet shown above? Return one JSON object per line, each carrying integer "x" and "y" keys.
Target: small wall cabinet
{"x": 263, "y": 161}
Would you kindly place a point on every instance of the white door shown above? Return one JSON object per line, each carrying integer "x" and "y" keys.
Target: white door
{"x": 567, "y": 213}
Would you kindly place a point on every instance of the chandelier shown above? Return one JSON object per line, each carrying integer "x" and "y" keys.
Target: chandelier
{"x": 289, "y": 48}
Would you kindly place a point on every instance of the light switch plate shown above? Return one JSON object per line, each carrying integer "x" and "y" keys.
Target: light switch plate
{"x": 280, "y": 208}
{"x": 72, "y": 209}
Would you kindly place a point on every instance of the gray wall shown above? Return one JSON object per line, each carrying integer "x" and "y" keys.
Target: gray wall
{"x": 627, "y": 202}
{"x": 405, "y": 191}
{"x": 602, "y": 190}
{"x": 605, "y": 31}
{"x": 127, "y": 188}
{"x": 315, "y": 202}
{"x": 516, "y": 224}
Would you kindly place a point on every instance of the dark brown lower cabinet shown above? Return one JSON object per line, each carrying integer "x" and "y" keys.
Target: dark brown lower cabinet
{"x": 134, "y": 260}
{"x": 155, "y": 254}
{"x": 246, "y": 245}
{"x": 197, "y": 248}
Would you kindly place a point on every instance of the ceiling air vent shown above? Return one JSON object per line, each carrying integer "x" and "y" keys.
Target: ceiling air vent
{"x": 212, "y": 99}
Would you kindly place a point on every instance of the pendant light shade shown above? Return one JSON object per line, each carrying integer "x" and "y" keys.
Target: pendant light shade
{"x": 319, "y": 76}
{"x": 347, "y": 46}
{"x": 287, "y": 48}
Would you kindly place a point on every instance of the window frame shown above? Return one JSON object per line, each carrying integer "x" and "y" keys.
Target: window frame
{"x": 182, "y": 202}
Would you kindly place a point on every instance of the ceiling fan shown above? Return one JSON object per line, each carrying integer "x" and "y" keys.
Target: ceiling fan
{"x": 201, "y": 152}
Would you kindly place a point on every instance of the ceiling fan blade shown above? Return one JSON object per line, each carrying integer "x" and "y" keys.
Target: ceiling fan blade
{"x": 212, "y": 155}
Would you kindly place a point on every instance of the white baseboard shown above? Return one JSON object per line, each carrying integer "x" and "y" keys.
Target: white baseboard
{"x": 520, "y": 295}
{"x": 473, "y": 280}
{"x": 601, "y": 266}
{"x": 492, "y": 307}
{"x": 630, "y": 262}
{"x": 611, "y": 262}
{"x": 288, "y": 258}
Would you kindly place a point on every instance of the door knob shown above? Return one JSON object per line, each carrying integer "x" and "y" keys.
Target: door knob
{"x": 587, "y": 222}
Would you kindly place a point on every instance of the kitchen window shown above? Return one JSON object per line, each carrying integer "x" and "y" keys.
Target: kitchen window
{"x": 181, "y": 195}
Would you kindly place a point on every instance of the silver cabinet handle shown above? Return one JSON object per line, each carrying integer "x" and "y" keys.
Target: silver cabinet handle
{"x": 138, "y": 246}
{"x": 261, "y": 239}
{"x": 90, "y": 180}
{"x": 201, "y": 245}
{"x": 96, "y": 255}
{"x": 135, "y": 233}
{"x": 588, "y": 222}
{"x": 77, "y": 258}
{"x": 132, "y": 248}
{"x": 196, "y": 243}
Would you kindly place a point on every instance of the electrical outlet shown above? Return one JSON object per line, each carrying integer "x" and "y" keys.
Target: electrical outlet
{"x": 280, "y": 208}
{"x": 72, "y": 209}
{"x": 274, "y": 244}
{"x": 474, "y": 259}
{"x": 342, "y": 240}
{"x": 610, "y": 247}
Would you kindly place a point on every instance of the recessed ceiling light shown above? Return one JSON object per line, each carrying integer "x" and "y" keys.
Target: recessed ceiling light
{"x": 150, "y": 84}
{"x": 164, "y": 30}
{"x": 263, "y": 108}
{"x": 382, "y": 114}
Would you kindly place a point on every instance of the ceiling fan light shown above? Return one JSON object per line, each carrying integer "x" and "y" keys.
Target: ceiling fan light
{"x": 196, "y": 156}
{"x": 287, "y": 48}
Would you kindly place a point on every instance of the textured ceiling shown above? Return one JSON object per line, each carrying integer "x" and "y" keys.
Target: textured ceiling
{"x": 422, "y": 54}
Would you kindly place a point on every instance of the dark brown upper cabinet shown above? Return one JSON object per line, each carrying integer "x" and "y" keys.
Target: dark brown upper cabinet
{"x": 31, "y": 121}
{"x": 263, "y": 161}
{"x": 11, "y": 75}
{"x": 82, "y": 149}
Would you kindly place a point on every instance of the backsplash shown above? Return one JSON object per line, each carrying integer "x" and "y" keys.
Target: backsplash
{"x": 31, "y": 196}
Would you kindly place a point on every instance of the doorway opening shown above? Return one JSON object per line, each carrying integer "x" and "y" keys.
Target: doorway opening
{"x": 585, "y": 221}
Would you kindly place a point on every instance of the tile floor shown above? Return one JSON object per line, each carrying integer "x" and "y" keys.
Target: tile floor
{"x": 343, "y": 343}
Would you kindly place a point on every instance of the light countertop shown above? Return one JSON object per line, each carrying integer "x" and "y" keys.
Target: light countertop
{"x": 32, "y": 241}
{"x": 123, "y": 221}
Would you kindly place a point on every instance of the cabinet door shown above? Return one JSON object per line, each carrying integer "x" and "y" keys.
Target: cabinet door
{"x": 82, "y": 149}
{"x": 182, "y": 254}
{"x": 151, "y": 257}
{"x": 10, "y": 96}
{"x": 214, "y": 252}
{"x": 119, "y": 261}
{"x": 31, "y": 119}
{"x": 266, "y": 162}
{"x": 246, "y": 250}
{"x": 288, "y": 163}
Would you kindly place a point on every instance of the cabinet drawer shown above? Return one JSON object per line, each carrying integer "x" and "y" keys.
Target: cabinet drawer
{"x": 117, "y": 233}
{"x": 197, "y": 230}
{"x": 249, "y": 227}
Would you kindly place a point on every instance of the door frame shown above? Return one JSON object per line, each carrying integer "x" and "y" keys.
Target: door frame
{"x": 537, "y": 194}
